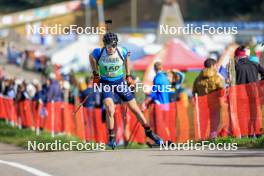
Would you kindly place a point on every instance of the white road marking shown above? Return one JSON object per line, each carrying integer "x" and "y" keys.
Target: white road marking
{"x": 25, "y": 168}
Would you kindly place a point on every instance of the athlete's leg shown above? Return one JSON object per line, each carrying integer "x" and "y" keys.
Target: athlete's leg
{"x": 110, "y": 111}
{"x": 127, "y": 96}
{"x": 132, "y": 104}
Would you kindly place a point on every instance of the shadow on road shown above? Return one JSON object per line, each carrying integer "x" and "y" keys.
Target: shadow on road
{"x": 236, "y": 155}
{"x": 213, "y": 165}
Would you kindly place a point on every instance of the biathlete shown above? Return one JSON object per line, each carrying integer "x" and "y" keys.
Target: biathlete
{"x": 111, "y": 69}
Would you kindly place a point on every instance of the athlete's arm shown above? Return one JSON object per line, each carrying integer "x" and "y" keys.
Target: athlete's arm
{"x": 127, "y": 64}
{"x": 129, "y": 78}
{"x": 93, "y": 63}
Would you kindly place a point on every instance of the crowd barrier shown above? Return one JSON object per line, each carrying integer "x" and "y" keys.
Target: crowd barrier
{"x": 235, "y": 111}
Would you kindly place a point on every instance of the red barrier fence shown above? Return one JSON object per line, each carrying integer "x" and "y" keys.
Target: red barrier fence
{"x": 235, "y": 111}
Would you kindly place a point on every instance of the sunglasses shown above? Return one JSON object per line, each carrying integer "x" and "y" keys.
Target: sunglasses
{"x": 113, "y": 45}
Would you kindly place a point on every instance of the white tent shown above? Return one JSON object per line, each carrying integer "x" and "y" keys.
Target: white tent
{"x": 75, "y": 56}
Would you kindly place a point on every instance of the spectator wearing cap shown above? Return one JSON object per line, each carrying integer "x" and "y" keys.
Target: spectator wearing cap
{"x": 246, "y": 70}
{"x": 249, "y": 72}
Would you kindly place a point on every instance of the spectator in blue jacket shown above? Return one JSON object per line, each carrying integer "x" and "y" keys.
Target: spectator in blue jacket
{"x": 161, "y": 87}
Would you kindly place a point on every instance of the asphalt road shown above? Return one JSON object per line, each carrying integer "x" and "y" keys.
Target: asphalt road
{"x": 18, "y": 162}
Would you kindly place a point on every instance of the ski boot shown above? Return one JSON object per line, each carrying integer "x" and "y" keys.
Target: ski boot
{"x": 150, "y": 134}
{"x": 112, "y": 142}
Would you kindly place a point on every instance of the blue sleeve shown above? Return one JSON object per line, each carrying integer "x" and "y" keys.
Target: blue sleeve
{"x": 96, "y": 53}
{"x": 157, "y": 81}
{"x": 124, "y": 52}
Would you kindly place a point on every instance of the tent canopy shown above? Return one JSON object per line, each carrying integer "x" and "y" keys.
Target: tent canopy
{"x": 174, "y": 55}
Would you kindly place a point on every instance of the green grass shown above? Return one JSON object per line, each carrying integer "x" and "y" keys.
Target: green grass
{"x": 243, "y": 142}
{"x": 82, "y": 75}
{"x": 190, "y": 77}
{"x": 20, "y": 137}
{"x": 139, "y": 74}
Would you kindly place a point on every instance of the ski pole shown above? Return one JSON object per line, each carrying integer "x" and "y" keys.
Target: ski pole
{"x": 80, "y": 105}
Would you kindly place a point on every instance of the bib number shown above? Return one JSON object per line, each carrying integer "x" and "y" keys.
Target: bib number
{"x": 112, "y": 68}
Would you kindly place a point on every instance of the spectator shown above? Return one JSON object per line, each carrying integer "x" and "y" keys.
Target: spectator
{"x": 208, "y": 80}
{"x": 89, "y": 93}
{"x": 160, "y": 93}
{"x": 176, "y": 78}
{"x": 66, "y": 90}
{"x": 38, "y": 95}
{"x": 9, "y": 89}
{"x": 40, "y": 99}
{"x": 25, "y": 59}
{"x": 31, "y": 88}
{"x": 37, "y": 64}
{"x": 22, "y": 93}
{"x": 73, "y": 94}
{"x": 54, "y": 91}
{"x": 12, "y": 54}
{"x": 44, "y": 90}
{"x": 246, "y": 71}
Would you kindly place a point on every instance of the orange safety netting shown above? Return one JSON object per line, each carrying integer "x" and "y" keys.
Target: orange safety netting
{"x": 235, "y": 111}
